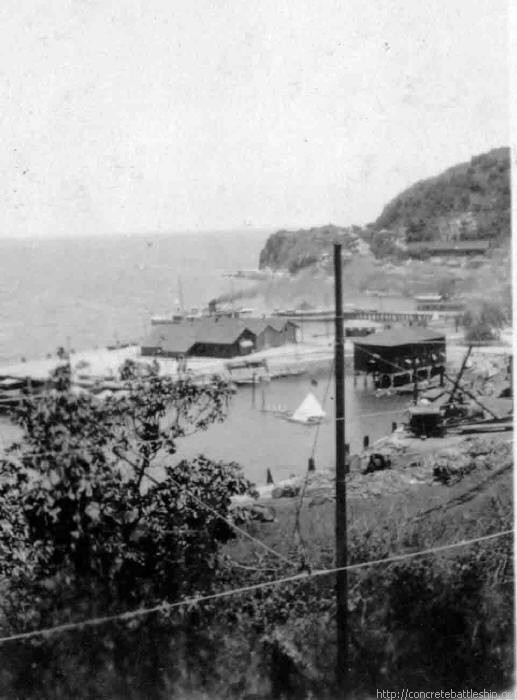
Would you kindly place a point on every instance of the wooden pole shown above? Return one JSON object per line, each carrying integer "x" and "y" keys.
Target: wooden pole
{"x": 341, "y": 533}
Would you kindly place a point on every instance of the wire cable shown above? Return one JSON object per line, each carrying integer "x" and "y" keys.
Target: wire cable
{"x": 195, "y": 600}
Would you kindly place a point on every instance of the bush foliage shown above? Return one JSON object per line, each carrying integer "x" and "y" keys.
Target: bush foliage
{"x": 476, "y": 193}
{"x": 483, "y": 321}
{"x": 86, "y": 531}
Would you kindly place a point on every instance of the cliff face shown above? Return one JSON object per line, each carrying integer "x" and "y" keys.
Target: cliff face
{"x": 294, "y": 250}
{"x": 467, "y": 201}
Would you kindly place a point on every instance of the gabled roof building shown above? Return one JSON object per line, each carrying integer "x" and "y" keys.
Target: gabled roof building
{"x": 217, "y": 337}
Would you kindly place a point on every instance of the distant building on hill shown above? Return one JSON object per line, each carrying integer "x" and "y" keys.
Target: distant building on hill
{"x": 436, "y": 302}
{"x": 448, "y": 248}
{"x": 217, "y": 337}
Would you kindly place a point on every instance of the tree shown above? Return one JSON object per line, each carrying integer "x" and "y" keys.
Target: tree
{"x": 416, "y": 230}
{"x": 87, "y": 530}
{"x": 483, "y": 321}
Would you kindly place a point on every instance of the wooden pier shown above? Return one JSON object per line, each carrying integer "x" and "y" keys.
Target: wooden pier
{"x": 370, "y": 315}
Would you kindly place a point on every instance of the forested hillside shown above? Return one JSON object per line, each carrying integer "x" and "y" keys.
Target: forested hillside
{"x": 468, "y": 201}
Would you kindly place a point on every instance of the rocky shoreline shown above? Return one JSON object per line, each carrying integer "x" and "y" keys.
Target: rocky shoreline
{"x": 413, "y": 463}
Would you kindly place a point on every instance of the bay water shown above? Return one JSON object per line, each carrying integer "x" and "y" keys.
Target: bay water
{"x": 90, "y": 292}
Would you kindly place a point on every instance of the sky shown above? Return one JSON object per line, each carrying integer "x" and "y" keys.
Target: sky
{"x": 176, "y": 115}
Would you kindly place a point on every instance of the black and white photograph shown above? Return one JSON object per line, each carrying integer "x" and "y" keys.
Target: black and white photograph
{"x": 256, "y": 349}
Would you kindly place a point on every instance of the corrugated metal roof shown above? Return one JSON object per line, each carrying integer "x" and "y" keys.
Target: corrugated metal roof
{"x": 400, "y": 336}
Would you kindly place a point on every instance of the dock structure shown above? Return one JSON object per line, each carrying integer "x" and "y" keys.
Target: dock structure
{"x": 413, "y": 317}
{"x": 394, "y": 316}
{"x": 400, "y": 356}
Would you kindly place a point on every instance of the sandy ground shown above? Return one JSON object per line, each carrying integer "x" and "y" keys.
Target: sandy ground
{"x": 104, "y": 363}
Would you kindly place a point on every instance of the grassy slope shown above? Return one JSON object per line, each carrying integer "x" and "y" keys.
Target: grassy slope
{"x": 437, "y": 621}
{"x": 315, "y": 285}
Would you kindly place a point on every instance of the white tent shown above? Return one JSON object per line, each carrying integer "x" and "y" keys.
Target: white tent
{"x": 309, "y": 411}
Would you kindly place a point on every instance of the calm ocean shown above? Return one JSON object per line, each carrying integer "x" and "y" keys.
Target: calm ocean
{"x": 92, "y": 291}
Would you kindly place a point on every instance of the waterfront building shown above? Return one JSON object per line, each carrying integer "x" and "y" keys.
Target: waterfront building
{"x": 395, "y": 356}
{"x": 217, "y": 336}
{"x": 448, "y": 248}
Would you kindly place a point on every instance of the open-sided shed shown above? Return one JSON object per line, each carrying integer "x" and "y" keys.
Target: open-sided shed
{"x": 399, "y": 349}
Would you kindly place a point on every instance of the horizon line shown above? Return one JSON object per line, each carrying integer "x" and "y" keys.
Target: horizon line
{"x": 252, "y": 230}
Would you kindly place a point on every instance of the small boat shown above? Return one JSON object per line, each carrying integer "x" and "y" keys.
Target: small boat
{"x": 287, "y": 372}
{"x": 309, "y": 411}
{"x": 248, "y": 371}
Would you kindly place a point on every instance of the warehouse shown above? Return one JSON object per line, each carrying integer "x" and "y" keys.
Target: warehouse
{"x": 217, "y": 337}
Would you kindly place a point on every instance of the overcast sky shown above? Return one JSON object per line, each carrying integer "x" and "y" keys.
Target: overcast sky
{"x": 162, "y": 115}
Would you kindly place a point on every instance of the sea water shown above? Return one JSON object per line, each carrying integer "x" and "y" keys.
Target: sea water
{"x": 89, "y": 292}
{"x": 260, "y": 439}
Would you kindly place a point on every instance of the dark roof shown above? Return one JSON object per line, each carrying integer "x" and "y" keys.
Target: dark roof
{"x": 173, "y": 337}
{"x": 221, "y": 331}
{"x": 400, "y": 336}
{"x": 257, "y": 325}
{"x": 180, "y": 337}
{"x": 437, "y": 246}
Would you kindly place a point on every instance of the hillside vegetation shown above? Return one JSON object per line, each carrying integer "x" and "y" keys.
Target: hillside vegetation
{"x": 294, "y": 250}
{"x": 466, "y": 202}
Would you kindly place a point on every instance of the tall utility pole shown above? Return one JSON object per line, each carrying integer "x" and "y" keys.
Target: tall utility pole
{"x": 341, "y": 536}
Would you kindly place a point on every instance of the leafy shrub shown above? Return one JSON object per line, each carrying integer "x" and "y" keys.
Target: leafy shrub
{"x": 483, "y": 321}
{"x": 87, "y": 530}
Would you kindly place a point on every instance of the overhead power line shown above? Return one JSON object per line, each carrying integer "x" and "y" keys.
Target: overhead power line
{"x": 195, "y": 600}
